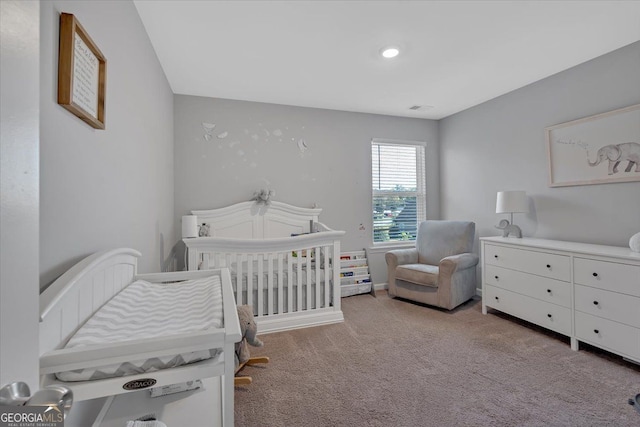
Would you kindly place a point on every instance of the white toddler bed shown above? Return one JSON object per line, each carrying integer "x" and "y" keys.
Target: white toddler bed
{"x": 106, "y": 330}
{"x": 282, "y": 261}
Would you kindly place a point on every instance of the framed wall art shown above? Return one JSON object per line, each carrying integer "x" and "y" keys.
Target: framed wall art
{"x": 82, "y": 72}
{"x": 604, "y": 148}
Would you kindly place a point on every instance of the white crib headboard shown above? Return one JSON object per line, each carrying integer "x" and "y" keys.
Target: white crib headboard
{"x": 250, "y": 220}
{"x": 83, "y": 289}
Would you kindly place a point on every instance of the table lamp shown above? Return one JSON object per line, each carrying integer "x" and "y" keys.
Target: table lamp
{"x": 511, "y": 202}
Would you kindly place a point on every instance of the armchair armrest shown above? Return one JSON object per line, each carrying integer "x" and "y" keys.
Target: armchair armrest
{"x": 401, "y": 256}
{"x": 451, "y": 264}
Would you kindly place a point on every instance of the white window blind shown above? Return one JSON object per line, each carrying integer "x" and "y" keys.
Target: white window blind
{"x": 398, "y": 190}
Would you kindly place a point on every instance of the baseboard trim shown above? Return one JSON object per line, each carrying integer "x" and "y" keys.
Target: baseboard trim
{"x": 298, "y": 321}
{"x": 380, "y": 286}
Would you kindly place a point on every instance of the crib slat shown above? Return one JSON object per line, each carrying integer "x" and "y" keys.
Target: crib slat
{"x": 327, "y": 277}
{"x": 280, "y": 281}
{"x": 299, "y": 281}
{"x": 318, "y": 285}
{"x": 309, "y": 289}
{"x": 85, "y": 302}
{"x": 289, "y": 282}
{"x": 270, "y": 285}
{"x": 260, "y": 284}
{"x": 216, "y": 260}
{"x": 69, "y": 310}
{"x": 205, "y": 261}
{"x": 238, "y": 279}
{"x": 117, "y": 278}
{"x": 98, "y": 291}
{"x": 127, "y": 275}
{"x": 108, "y": 283}
{"x": 250, "y": 281}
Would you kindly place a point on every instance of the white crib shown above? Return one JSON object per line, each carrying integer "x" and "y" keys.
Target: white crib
{"x": 72, "y": 299}
{"x": 283, "y": 262}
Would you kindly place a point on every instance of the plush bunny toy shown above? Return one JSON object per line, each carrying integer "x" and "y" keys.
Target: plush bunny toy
{"x": 249, "y": 329}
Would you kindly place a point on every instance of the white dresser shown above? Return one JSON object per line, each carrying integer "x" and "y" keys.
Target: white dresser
{"x": 590, "y": 293}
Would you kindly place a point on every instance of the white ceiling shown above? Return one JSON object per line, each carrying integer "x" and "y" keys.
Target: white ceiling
{"x": 325, "y": 54}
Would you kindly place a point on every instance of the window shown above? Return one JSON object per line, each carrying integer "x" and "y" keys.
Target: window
{"x": 398, "y": 190}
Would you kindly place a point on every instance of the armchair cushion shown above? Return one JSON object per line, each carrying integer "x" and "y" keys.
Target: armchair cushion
{"x": 419, "y": 274}
{"x": 440, "y": 239}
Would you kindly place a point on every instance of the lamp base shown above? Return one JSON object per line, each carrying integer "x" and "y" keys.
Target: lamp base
{"x": 508, "y": 229}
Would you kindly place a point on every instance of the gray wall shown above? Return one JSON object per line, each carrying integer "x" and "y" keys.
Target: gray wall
{"x": 500, "y": 145}
{"x": 19, "y": 110}
{"x": 261, "y": 148}
{"x": 106, "y": 188}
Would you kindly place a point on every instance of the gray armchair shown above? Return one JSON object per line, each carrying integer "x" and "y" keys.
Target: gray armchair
{"x": 440, "y": 270}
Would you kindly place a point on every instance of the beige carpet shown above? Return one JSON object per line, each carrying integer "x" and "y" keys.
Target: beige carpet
{"x": 395, "y": 363}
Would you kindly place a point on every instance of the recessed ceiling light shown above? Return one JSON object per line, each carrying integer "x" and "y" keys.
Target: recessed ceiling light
{"x": 389, "y": 52}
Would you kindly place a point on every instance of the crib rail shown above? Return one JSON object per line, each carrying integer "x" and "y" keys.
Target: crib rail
{"x": 290, "y": 282}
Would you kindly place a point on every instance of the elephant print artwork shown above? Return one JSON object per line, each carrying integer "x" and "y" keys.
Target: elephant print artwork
{"x": 579, "y": 150}
{"x": 615, "y": 154}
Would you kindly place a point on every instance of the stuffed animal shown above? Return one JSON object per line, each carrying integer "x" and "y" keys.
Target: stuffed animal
{"x": 263, "y": 196}
{"x": 248, "y": 328}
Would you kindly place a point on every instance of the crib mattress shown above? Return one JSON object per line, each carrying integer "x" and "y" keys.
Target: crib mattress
{"x": 147, "y": 310}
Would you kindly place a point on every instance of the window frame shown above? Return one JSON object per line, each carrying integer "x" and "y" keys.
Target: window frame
{"x": 420, "y": 193}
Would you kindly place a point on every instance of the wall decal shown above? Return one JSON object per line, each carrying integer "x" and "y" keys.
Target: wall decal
{"x": 208, "y": 129}
{"x": 302, "y": 146}
{"x": 245, "y": 146}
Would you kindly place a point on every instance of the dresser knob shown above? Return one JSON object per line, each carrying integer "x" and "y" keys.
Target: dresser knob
{"x": 548, "y": 265}
{"x": 595, "y": 303}
{"x": 595, "y": 274}
{"x": 495, "y": 256}
{"x": 548, "y": 291}
{"x": 596, "y": 331}
{"x": 496, "y": 277}
{"x": 549, "y": 316}
{"x": 497, "y": 299}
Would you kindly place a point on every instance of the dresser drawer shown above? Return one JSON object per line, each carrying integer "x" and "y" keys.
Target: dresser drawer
{"x": 607, "y": 334}
{"x": 539, "y": 263}
{"x": 542, "y": 288}
{"x": 608, "y": 305}
{"x": 541, "y": 313}
{"x": 613, "y": 276}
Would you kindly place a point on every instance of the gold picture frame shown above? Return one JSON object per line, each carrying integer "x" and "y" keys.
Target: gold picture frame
{"x": 82, "y": 70}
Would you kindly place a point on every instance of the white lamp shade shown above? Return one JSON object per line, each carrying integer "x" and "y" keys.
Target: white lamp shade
{"x": 512, "y": 201}
{"x": 189, "y": 226}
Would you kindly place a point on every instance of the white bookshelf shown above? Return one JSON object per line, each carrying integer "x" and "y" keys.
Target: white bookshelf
{"x": 354, "y": 273}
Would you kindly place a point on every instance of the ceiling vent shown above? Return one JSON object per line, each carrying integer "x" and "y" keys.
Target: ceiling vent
{"x": 421, "y": 107}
